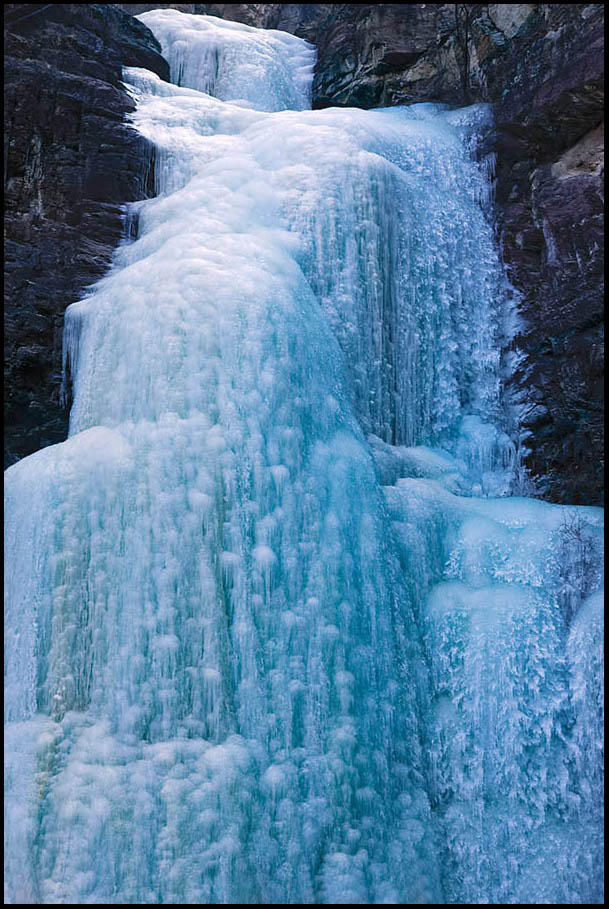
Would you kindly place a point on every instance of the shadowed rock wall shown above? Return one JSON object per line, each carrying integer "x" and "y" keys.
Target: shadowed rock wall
{"x": 70, "y": 165}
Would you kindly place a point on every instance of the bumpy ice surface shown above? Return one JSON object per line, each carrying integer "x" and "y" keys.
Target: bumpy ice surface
{"x": 275, "y": 630}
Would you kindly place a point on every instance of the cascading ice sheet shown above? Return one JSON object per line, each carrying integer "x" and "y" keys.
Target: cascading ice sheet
{"x": 250, "y": 600}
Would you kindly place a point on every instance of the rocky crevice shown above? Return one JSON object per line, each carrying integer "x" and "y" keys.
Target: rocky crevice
{"x": 548, "y": 99}
{"x": 71, "y": 163}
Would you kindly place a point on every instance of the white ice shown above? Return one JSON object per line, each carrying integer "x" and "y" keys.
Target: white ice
{"x": 275, "y": 631}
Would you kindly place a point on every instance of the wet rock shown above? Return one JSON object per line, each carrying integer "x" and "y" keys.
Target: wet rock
{"x": 548, "y": 98}
{"x": 70, "y": 165}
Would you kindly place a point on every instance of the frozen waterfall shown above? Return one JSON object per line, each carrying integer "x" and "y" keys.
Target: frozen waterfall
{"x": 279, "y": 625}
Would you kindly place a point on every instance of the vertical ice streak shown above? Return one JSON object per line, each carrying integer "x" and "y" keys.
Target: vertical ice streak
{"x": 264, "y": 643}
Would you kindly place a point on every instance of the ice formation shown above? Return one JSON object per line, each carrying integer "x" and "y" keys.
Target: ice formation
{"x": 276, "y": 632}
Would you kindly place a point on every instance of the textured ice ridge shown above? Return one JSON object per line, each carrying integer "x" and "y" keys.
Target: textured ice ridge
{"x": 268, "y": 638}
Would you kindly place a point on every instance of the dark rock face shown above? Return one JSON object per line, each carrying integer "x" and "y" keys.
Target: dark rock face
{"x": 548, "y": 96}
{"x": 71, "y": 162}
{"x": 540, "y": 65}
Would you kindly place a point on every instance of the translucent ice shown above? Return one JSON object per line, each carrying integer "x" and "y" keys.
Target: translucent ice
{"x": 513, "y": 728}
{"x": 268, "y": 638}
{"x": 267, "y": 70}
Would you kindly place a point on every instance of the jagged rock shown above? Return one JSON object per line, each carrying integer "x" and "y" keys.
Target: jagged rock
{"x": 548, "y": 96}
{"x": 71, "y": 163}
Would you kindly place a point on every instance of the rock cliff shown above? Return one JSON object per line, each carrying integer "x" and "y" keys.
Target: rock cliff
{"x": 70, "y": 165}
{"x": 539, "y": 65}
